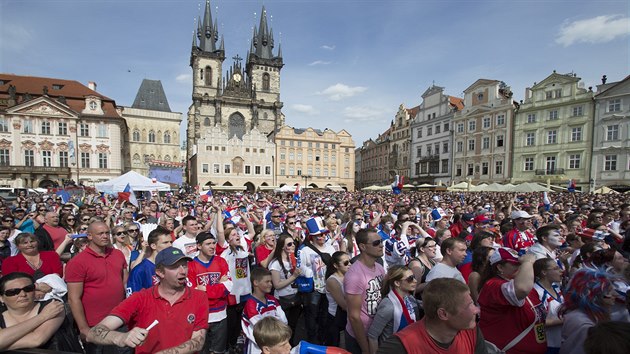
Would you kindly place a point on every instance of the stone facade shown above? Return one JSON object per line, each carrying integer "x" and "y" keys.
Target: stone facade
{"x": 399, "y": 145}
{"x": 316, "y": 158}
{"x": 431, "y": 137}
{"x": 374, "y": 161}
{"x": 553, "y": 129}
{"x": 482, "y": 135}
{"x": 54, "y": 130}
{"x": 611, "y": 139}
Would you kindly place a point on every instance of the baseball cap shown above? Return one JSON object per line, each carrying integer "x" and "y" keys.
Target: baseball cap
{"x": 468, "y": 217}
{"x": 504, "y": 254}
{"x": 170, "y": 256}
{"x": 520, "y": 214}
{"x": 18, "y": 210}
{"x": 481, "y": 219}
{"x": 204, "y": 236}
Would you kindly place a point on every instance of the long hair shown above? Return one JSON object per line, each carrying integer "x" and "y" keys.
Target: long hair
{"x": 586, "y": 291}
{"x": 480, "y": 258}
{"x": 334, "y": 260}
{"x": 394, "y": 274}
{"x": 277, "y": 253}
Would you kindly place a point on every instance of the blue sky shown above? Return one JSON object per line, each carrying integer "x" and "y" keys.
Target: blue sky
{"x": 348, "y": 64}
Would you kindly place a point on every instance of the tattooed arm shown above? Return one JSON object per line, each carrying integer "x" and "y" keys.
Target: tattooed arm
{"x": 104, "y": 334}
{"x": 195, "y": 344}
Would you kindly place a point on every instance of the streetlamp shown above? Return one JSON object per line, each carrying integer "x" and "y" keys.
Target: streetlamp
{"x": 306, "y": 177}
{"x": 591, "y": 183}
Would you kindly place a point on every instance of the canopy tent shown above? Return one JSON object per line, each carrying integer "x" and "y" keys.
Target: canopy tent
{"x": 605, "y": 190}
{"x": 335, "y": 188}
{"x": 409, "y": 186}
{"x": 426, "y": 185}
{"x": 461, "y": 186}
{"x": 530, "y": 187}
{"x": 479, "y": 187}
{"x": 373, "y": 187}
{"x": 136, "y": 181}
{"x": 286, "y": 189}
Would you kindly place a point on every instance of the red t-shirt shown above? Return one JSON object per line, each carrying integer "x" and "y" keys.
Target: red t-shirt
{"x": 502, "y": 320}
{"x": 57, "y": 234}
{"x": 262, "y": 253}
{"x": 51, "y": 264}
{"x": 102, "y": 278}
{"x": 518, "y": 240}
{"x": 417, "y": 340}
{"x": 177, "y": 322}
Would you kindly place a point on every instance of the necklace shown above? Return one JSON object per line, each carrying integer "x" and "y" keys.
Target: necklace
{"x": 39, "y": 263}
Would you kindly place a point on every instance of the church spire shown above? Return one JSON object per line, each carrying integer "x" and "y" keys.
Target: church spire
{"x": 208, "y": 31}
{"x": 263, "y": 38}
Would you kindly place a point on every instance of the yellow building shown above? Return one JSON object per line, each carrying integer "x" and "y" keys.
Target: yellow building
{"x": 315, "y": 158}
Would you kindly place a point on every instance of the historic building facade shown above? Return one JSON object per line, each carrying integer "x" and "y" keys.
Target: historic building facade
{"x": 483, "y": 134}
{"x": 432, "y": 137}
{"x": 400, "y": 142}
{"x": 611, "y": 136}
{"x": 53, "y": 130}
{"x": 246, "y": 101}
{"x": 153, "y": 129}
{"x": 553, "y": 130}
{"x": 318, "y": 159}
{"x": 374, "y": 161}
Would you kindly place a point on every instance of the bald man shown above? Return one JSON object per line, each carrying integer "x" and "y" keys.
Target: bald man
{"x": 50, "y": 235}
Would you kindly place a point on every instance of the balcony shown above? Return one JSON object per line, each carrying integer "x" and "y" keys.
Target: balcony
{"x": 36, "y": 170}
{"x": 550, "y": 172}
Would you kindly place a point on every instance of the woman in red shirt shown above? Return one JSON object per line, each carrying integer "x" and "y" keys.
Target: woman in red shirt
{"x": 30, "y": 260}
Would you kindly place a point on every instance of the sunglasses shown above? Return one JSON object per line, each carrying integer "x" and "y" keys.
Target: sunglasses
{"x": 291, "y": 223}
{"x": 41, "y": 209}
{"x": 8, "y": 220}
{"x": 275, "y": 216}
{"x": 376, "y": 243}
{"x": 119, "y": 233}
{"x": 85, "y": 219}
{"x": 70, "y": 219}
{"x": 16, "y": 291}
{"x": 83, "y": 229}
{"x": 290, "y": 244}
{"x": 132, "y": 230}
{"x": 410, "y": 279}
{"x": 346, "y": 263}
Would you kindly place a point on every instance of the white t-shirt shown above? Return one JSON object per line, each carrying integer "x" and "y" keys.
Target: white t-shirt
{"x": 442, "y": 270}
{"x": 287, "y": 290}
{"x": 314, "y": 267}
{"x": 187, "y": 245}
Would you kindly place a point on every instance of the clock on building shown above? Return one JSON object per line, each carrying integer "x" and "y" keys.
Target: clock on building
{"x": 237, "y": 77}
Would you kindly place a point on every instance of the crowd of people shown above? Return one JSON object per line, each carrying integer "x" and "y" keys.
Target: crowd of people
{"x": 368, "y": 272}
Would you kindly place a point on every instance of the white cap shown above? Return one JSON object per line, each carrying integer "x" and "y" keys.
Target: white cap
{"x": 520, "y": 214}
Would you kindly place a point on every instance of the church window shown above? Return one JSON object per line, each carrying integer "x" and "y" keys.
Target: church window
{"x": 265, "y": 82}
{"x": 136, "y": 135}
{"x": 208, "y": 76}
{"x": 206, "y": 122}
{"x": 151, "y": 136}
{"x": 167, "y": 138}
{"x": 236, "y": 126}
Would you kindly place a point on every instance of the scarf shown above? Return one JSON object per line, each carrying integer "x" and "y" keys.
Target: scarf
{"x": 402, "y": 317}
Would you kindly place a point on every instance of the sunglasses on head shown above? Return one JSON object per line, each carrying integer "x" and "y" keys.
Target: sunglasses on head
{"x": 16, "y": 291}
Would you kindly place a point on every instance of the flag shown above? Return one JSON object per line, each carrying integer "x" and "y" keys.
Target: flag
{"x": 435, "y": 215}
{"x": 128, "y": 195}
{"x": 571, "y": 186}
{"x": 397, "y": 185}
{"x": 65, "y": 196}
{"x": 229, "y": 215}
{"x": 546, "y": 201}
{"x": 297, "y": 195}
{"x": 207, "y": 196}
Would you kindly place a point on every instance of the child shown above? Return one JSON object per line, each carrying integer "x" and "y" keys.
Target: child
{"x": 272, "y": 336}
{"x": 260, "y": 304}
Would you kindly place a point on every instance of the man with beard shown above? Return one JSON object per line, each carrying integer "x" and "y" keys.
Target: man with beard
{"x": 181, "y": 313}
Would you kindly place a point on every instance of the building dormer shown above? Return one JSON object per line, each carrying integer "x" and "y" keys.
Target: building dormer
{"x": 93, "y": 105}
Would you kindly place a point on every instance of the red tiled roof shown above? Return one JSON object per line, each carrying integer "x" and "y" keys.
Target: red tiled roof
{"x": 73, "y": 91}
{"x": 413, "y": 111}
{"x": 457, "y": 102}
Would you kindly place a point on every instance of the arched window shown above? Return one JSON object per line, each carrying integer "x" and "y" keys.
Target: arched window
{"x": 206, "y": 122}
{"x": 151, "y": 136}
{"x": 167, "y": 158}
{"x": 265, "y": 82}
{"x": 167, "y": 137}
{"x": 136, "y": 135}
{"x": 236, "y": 126}
{"x": 208, "y": 76}
{"x": 136, "y": 159}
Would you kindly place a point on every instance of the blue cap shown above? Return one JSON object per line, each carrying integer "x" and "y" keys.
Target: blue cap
{"x": 170, "y": 256}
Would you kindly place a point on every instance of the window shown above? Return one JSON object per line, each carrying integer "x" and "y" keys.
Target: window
{"x": 63, "y": 159}
{"x": 205, "y": 168}
{"x": 45, "y": 128}
{"x": 558, "y": 93}
{"x": 472, "y": 126}
{"x": 291, "y": 170}
{"x": 437, "y": 129}
{"x": 4, "y": 125}
{"x": 530, "y": 139}
{"x": 548, "y": 95}
{"x": 529, "y": 164}
{"x": 471, "y": 144}
{"x": 446, "y": 127}
{"x": 614, "y": 105}
{"x": 85, "y": 160}
{"x": 265, "y": 82}
{"x": 309, "y": 156}
{"x": 316, "y": 157}
{"x": 429, "y": 131}
{"x": 458, "y": 170}
{"x": 4, "y": 157}
{"x": 208, "y": 76}
{"x": 484, "y": 168}
{"x": 283, "y": 156}
{"x": 317, "y": 171}
{"x": 574, "y": 160}
{"x": 460, "y": 146}
{"x": 291, "y": 143}
{"x": 102, "y": 160}
{"x": 309, "y": 171}
{"x": 291, "y": 156}
{"x": 257, "y": 170}
{"x": 419, "y": 151}
{"x": 485, "y": 143}
{"x": 531, "y": 118}
{"x": 578, "y": 111}
{"x": 445, "y": 147}
{"x": 576, "y": 134}
{"x": 436, "y": 147}
{"x": 460, "y": 127}
{"x": 498, "y": 167}
{"x": 444, "y": 166}
{"x": 429, "y": 149}
{"x": 136, "y": 135}
{"x": 216, "y": 168}
{"x": 325, "y": 171}
{"x": 267, "y": 170}
{"x": 552, "y": 137}
{"x": 248, "y": 169}
{"x": 262, "y": 151}
{"x": 226, "y": 168}
{"x": 28, "y": 126}
{"x": 325, "y": 158}
{"x": 167, "y": 138}
{"x": 63, "y": 128}
{"x": 282, "y": 172}
{"x": 500, "y": 140}
{"x": 299, "y": 144}
{"x": 419, "y": 133}
{"x": 282, "y": 142}
{"x": 151, "y": 136}
{"x": 501, "y": 119}
{"x": 550, "y": 164}
{"x": 423, "y": 168}
{"x": 612, "y": 132}
{"x": 299, "y": 156}
{"x": 610, "y": 163}
{"x": 486, "y": 122}
{"x": 84, "y": 130}
{"x": 553, "y": 115}
{"x": 470, "y": 169}
{"x": 102, "y": 130}
{"x": 299, "y": 171}
{"x": 29, "y": 158}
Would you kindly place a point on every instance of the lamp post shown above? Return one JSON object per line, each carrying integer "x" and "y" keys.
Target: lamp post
{"x": 591, "y": 183}
{"x": 306, "y": 177}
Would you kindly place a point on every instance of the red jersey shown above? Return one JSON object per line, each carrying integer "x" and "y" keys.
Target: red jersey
{"x": 208, "y": 275}
{"x": 518, "y": 240}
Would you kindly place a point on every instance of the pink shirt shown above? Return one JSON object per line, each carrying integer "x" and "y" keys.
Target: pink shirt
{"x": 364, "y": 281}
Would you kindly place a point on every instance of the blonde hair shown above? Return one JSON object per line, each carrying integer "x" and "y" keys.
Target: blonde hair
{"x": 270, "y": 331}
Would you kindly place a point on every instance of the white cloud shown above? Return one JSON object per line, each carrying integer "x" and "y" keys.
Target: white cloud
{"x": 364, "y": 114}
{"x": 328, "y": 47}
{"x": 319, "y": 62}
{"x": 184, "y": 78}
{"x": 339, "y": 91}
{"x": 304, "y": 108}
{"x": 598, "y": 29}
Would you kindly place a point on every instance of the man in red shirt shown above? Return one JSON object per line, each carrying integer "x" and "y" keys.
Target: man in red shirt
{"x": 50, "y": 235}
{"x": 181, "y": 313}
{"x": 520, "y": 238}
{"x": 96, "y": 280}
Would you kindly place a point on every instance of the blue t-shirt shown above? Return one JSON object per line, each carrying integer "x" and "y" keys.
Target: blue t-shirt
{"x": 27, "y": 226}
{"x": 141, "y": 277}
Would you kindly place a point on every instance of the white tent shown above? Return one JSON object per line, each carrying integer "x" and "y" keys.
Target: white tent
{"x": 530, "y": 187}
{"x": 285, "y": 189}
{"x": 461, "y": 186}
{"x": 136, "y": 181}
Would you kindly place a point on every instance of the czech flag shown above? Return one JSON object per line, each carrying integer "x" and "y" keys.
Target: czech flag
{"x": 397, "y": 185}
{"x": 297, "y": 195}
{"x": 128, "y": 195}
{"x": 571, "y": 186}
{"x": 308, "y": 348}
{"x": 206, "y": 196}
